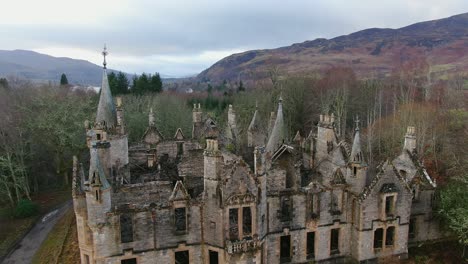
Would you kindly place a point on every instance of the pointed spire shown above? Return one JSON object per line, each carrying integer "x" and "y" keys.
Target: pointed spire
{"x": 277, "y": 135}
{"x": 151, "y": 120}
{"x": 106, "y": 113}
{"x": 254, "y": 122}
{"x": 356, "y": 153}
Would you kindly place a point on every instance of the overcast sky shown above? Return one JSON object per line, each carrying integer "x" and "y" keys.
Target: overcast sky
{"x": 180, "y": 38}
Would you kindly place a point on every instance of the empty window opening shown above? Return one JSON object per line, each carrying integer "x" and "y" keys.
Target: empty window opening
{"x": 390, "y": 238}
{"x": 334, "y": 241}
{"x": 98, "y": 136}
{"x": 310, "y": 245}
{"x": 389, "y": 205}
{"x": 97, "y": 195}
{"x": 86, "y": 257}
{"x": 129, "y": 261}
{"x": 412, "y": 228}
{"x": 126, "y": 228}
{"x": 246, "y": 221}
{"x": 182, "y": 257}
{"x": 233, "y": 223}
{"x": 285, "y": 249}
{"x": 354, "y": 171}
{"x": 286, "y": 209}
{"x": 214, "y": 259}
{"x": 180, "y": 219}
{"x": 378, "y": 238}
{"x": 180, "y": 148}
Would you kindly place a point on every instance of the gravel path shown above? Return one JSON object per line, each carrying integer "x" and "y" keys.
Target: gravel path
{"x": 25, "y": 250}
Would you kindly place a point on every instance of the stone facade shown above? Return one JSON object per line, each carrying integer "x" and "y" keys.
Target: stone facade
{"x": 191, "y": 200}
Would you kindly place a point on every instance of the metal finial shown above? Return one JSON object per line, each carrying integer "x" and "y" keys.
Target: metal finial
{"x": 104, "y": 53}
{"x": 357, "y": 121}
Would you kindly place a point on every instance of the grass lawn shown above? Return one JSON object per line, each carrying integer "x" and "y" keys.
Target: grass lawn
{"x": 61, "y": 245}
{"x": 12, "y": 229}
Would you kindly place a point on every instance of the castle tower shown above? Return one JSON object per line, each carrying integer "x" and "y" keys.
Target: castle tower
{"x": 277, "y": 136}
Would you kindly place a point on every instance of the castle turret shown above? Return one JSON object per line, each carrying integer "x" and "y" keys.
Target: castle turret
{"x": 277, "y": 136}
{"x": 357, "y": 164}
{"x": 106, "y": 114}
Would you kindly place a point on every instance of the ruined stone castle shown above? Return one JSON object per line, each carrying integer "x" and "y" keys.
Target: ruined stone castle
{"x": 190, "y": 199}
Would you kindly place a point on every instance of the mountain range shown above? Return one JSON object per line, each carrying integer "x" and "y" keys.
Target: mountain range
{"x": 39, "y": 67}
{"x": 372, "y": 53}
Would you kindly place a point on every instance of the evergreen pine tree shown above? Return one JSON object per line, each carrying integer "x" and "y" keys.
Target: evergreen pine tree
{"x": 63, "y": 79}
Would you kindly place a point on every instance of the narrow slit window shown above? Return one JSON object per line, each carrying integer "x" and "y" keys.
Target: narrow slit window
{"x": 412, "y": 228}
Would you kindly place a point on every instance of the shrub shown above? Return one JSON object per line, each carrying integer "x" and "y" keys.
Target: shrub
{"x": 26, "y": 208}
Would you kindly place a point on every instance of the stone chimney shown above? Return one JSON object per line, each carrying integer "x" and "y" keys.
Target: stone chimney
{"x": 410, "y": 139}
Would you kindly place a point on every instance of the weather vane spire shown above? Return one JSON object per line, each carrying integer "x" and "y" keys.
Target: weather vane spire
{"x": 104, "y": 53}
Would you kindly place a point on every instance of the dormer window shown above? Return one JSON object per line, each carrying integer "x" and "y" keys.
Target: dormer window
{"x": 388, "y": 200}
{"x": 180, "y": 218}
{"x": 389, "y": 205}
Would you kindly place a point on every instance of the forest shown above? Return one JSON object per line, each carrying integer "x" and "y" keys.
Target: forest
{"x": 41, "y": 128}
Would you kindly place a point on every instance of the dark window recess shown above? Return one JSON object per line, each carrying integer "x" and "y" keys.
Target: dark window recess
{"x": 389, "y": 205}
{"x": 214, "y": 257}
{"x": 334, "y": 241}
{"x": 126, "y": 228}
{"x": 129, "y": 261}
{"x": 180, "y": 148}
{"x": 182, "y": 257}
{"x": 180, "y": 219}
{"x": 378, "y": 238}
{"x": 86, "y": 259}
{"x": 412, "y": 228}
{"x": 286, "y": 209}
{"x": 246, "y": 221}
{"x": 98, "y": 136}
{"x": 285, "y": 249}
{"x": 390, "y": 238}
{"x": 354, "y": 171}
{"x": 233, "y": 223}
{"x": 314, "y": 205}
{"x": 310, "y": 245}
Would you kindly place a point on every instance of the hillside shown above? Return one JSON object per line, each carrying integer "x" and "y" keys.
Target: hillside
{"x": 442, "y": 44}
{"x": 43, "y": 68}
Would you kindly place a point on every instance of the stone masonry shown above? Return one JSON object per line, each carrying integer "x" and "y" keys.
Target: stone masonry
{"x": 192, "y": 200}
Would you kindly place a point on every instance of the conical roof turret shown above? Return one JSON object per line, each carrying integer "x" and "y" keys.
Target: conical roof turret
{"x": 277, "y": 135}
{"x": 106, "y": 113}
